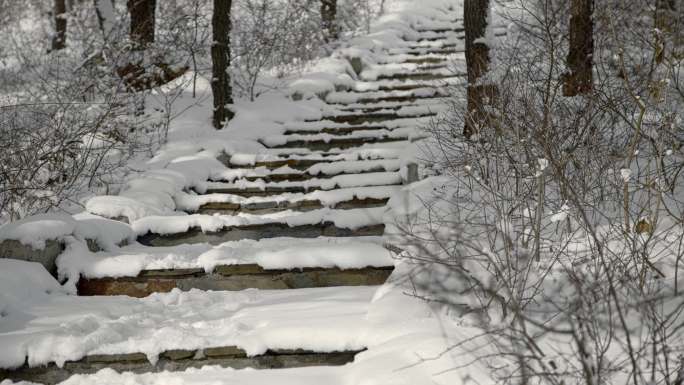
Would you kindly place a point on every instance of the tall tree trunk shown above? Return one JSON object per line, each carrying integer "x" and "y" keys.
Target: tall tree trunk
{"x": 329, "y": 19}
{"x": 142, "y": 22}
{"x": 104, "y": 9}
{"x": 665, "y": 23}
{"x": 477, "y": 63}
{"x": 60, "y": 12}
{"x": 578, "y": 80}
{"x": 220, "y": 60}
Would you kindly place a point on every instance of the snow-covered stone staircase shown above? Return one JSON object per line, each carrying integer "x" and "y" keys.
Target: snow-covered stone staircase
{"x": 315, "y": 200}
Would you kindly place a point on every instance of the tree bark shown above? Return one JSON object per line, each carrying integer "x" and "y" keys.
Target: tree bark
{"x": 220, "y": 60}
{"x": 329, "y": 19}
{"x": 665, "y": 23}
{"x": 477, "y": 63}
{"x": 60, "y": 14}
{"x": 142, "y": 22}
{"x": 579, "y": 79}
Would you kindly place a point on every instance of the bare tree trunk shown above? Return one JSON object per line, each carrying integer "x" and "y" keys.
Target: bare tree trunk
{"x": 665, "y": 24}
{"x": 579, "y": 61}
{"x": 220, "y": 60}
{"x": 142, "y": 22}
{"x": 477, "y": 62}
{"x": 60, "y": 14}
{"x": 329, "y": 19}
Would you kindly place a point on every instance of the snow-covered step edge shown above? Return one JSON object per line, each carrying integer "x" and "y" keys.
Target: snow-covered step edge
{"x": 214, "y": 229}
{"x": 375, "y": 96}
{"x": 315, "y": 169}
{"x": 253, "y": 321}
{"x": 338, "y": 181}
{"x": 345, "y": 199}
{"x": 276, "y": 158}
{"x": 179, "y": 361}
{"x": 271, "y": 254}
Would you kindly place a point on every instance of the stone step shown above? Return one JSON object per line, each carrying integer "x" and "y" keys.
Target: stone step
{"x": 302, "y": 177}
{"x": 372, "y": 117}
{"x": 446, "y": 34}
{"x": 419, "y": 76}
{"x": 411, "y": 86}
{"x": 457, "y": 29}
{"x": 303, "y": 162}
{"x": 256, "y": 232}
{"x": 269, "y": 207}
{"x": 430, "y": 51}
{"x": 426, "y": 59}
{"x": 269, "y": 190}
{"x": 385, "y": 107}
{"x": 295, "y": 163}
{"x": 392, "y": 98}
{"x": 342, "y": 130}
{"x": 339, "y": 143}
{"x": 179, "y": 360}
{"x": 233, "y": 278}
{"x": 438, "y": 44}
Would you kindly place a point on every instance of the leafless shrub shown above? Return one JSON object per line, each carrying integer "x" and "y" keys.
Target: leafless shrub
{"x": 558, "y": 229}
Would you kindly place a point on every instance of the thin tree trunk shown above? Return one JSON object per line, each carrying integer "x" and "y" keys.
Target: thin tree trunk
{"x": 329, "y": 22}
{"x": 477, "y": 63}
{"x": 665, "y": 23}
{"x": 578, "y": 80}
{"x": 142, "y": 22}
{"x": 60, "y": 12}
{"x": 220, "y": 60}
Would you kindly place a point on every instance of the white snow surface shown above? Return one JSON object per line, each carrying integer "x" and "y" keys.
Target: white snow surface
{"x": 272, "y": 253}
{"x": 67, "y": 328}
{"x": 36, "y": 230}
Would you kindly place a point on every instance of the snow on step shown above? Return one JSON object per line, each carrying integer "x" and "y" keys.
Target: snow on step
{"x": 220, "y": 376}
{"x": 352, "y": 117}
{"x": 408, "y": 85}
{"x": 397, "y": 70}
{"x": 426, "y": 103}
{"x": 270, "y": 254}
{"x": 346, "y": 198}
{"x": 400, "y": 119}
{"x": 316, "y": 168}
{"x": 335, "y": 142}
{"x": 197, "y": 228}
{"x": 276, "y": 263}
{"x": 374, "y": 96}
{"x": 196, "y": 325}
{"x": 337, "y": 181}
{"x": 278, "y": 158}
{"x": 320, "y": 140}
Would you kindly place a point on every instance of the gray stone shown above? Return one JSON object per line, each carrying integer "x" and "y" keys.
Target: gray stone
{"x": 14, "y": 249}
{"x": 180, "y": 360}
{"x": 412, "y": 173}
{"x": 356, "y": 64}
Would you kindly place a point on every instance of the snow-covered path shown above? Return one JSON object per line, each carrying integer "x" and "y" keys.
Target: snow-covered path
{"x": 302, "y": 208}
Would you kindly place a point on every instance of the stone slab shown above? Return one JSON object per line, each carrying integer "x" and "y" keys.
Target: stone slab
{"x": 179, "y": 360}
{"x": 233, "y": 278}
{"x": 256, "y": 232}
